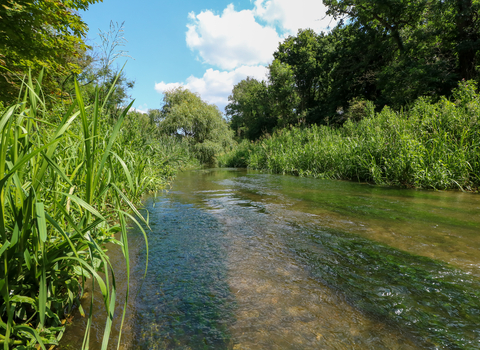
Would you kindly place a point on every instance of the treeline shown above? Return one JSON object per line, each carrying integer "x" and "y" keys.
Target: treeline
{"x": 389, "y": 52}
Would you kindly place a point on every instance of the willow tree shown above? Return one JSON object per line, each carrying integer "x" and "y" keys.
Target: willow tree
{"x": 185, "y": 114}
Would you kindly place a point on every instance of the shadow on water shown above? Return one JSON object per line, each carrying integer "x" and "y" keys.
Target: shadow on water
{"x": 242, "y": 260}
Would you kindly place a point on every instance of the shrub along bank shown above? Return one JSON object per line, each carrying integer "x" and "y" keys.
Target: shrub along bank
{"x": 69, "y": 180}
{"x": 428, "y": 145}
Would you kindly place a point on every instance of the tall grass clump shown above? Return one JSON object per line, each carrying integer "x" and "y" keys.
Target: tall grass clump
{"x": 150, "y": 160}
{"x": 65, "y": 188}
{"x": 429, "y": 145}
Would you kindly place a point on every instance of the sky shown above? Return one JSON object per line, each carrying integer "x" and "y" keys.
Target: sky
{"x": 206, "y": 46}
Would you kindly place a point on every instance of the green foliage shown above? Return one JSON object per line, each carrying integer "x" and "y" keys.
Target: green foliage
{"x": 160, "y": 156}
{"x": 284, "y": 98}
{"x": 39, "y": 34}
{"x": 388, "y": 52}
{"x": 416, "y": 25}
{"x": 359, "y": 109}
{"x": 238, "y": 157}
{"x": 300, "y": 53}
{"x": 430, "y": 145}
{"x": 249, "y": 109}
{"x": 65, "y": 189}
{"x": 200, "y": 124}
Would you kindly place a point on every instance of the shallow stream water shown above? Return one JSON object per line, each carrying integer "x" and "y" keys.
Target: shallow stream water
{"x": 244, "y": 260}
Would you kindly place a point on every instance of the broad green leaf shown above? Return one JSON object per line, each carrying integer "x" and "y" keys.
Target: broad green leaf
{"x": 4, "y": 247}
{"x": 33, "y": 332}
{"x": 28, "y": 259}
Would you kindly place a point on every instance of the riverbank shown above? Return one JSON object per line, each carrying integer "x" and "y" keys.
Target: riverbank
{"x": 428, "y": 145}
{"x": 72, "y": 177}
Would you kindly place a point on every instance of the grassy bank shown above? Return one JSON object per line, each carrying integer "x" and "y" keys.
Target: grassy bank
{"x": 428, "y": 145}
{"x": 70, "y": 177}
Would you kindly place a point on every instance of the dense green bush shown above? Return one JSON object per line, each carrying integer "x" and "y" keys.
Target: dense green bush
{"x": 429, "y": 145}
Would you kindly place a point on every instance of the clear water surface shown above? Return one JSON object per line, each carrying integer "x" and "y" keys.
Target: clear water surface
{"x": 244, "y": 260}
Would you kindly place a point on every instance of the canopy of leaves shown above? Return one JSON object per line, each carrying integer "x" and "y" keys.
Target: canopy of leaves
{"x": 185, "y": 114}
{"x": 249, "y": 109}
{"x": 36, "y": 34}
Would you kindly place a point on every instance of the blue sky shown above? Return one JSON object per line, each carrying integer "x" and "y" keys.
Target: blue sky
{"x": 206, "y": 46}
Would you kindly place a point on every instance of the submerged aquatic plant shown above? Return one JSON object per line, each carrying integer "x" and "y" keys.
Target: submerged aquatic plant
{"x": 432, "y": 300}
{"x": 61, "y": 200}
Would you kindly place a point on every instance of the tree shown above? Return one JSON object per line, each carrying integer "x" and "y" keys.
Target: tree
{"x": 39, "y": 34}
{"x": 440, "y": 25}
{"x": 185, "y": 114}
{"x": 250, "y": 109}
{"x": 283, "y": 94}
{"x": 390, "y": 15}
{"x": 300, "y": 53}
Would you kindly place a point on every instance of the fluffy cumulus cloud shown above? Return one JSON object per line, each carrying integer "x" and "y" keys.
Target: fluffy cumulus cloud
{"x": 231, "y": 39}
{"x": 215, "y": 86}
{"x": 291, "y": 16}
{"x": 242, "y": 43}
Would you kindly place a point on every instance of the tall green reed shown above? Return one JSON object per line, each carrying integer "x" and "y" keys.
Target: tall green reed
{"x": 60, "y": 202}
{"x": 429, "y": 145}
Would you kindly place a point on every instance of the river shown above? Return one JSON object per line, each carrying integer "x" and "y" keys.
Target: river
{"x": 244, "y": 260}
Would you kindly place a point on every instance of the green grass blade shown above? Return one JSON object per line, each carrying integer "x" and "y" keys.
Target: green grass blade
{"x": 125, "y": 250}
{"x": 57, "y": 169}
{"x": 113, "y": 87}
{"x": 42, "y": 295}
{"x": 41, "y": 222}
{"x": 25, "y": 159}
{"x": 65, "y": 236}
{"x": 130, "y": 204}
{"x": 110, "y": 314}
{"x": 144, "y": 236}
{"x": 113, "y": 136}
{"x": 98, "y": 279}
{"x": 125, "y": 169}
{"x": 84, "y": 205}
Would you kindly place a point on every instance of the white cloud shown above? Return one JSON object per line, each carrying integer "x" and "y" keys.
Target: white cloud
{"x": 294, "y": 15}
{"x": 232, "y": 39}
{"x": 241, "y": 43}
{"x": 162, "y": 87}
{"x": 141, "y": 108}
{"x": 215, "y": 86}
